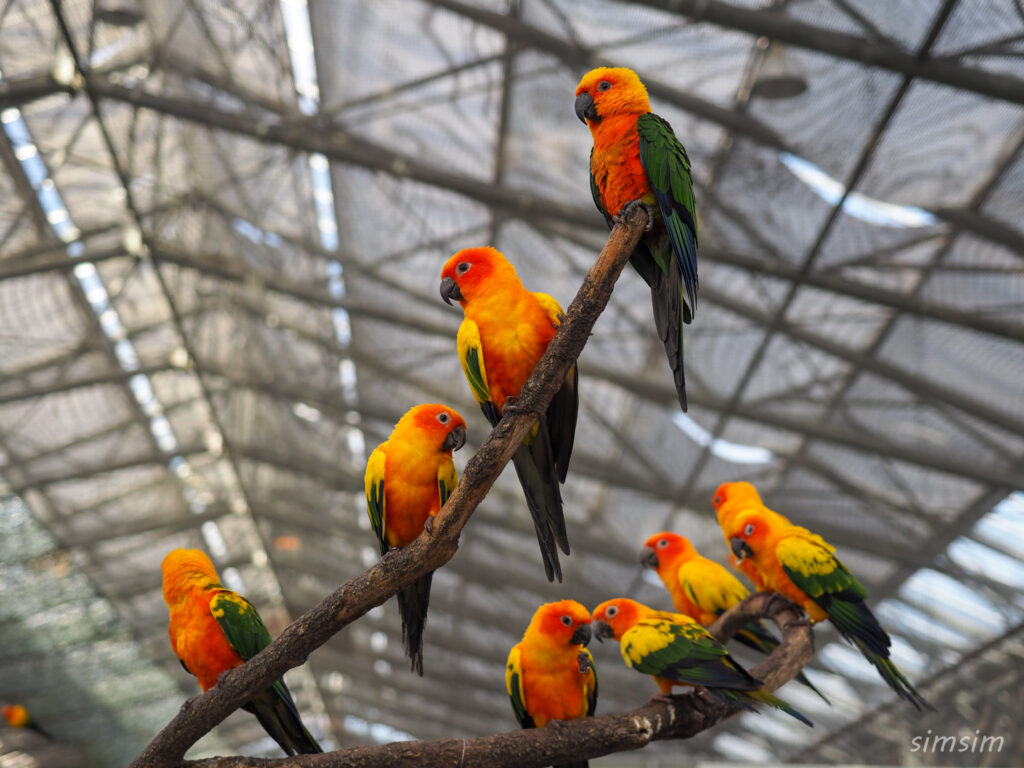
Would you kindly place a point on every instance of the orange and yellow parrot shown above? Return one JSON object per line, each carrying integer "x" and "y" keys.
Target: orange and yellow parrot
{"x": 18, "y": 717}
{"x": 677, "y": 651}
{"x": 637, "y": 160}
{"x": 408, "y": 479}
{"x": 550, "y": 676}
{"x": 731, "y": 499}
{"x": 802, "y": 567}
{"x": 704, "y": 589}
{"x": 214, "y": 629}
{"x": 505, "y": 331}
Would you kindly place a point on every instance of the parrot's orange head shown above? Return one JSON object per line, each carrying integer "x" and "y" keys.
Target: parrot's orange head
{"x": 612, "y": 618}
{"x": 747, "y": 534}
{"x": 184, "y": 568}
{"x": 610, "y": 92}
{"x": 472, "y": 271}
{"x": 732, "y": 493}
{"x": 565, "y": 622}
{"x": 443, "y": 425}
{"x": 665, "y": 549}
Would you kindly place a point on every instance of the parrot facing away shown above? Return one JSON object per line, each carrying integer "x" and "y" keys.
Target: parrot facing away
{"x": 214, "y": 629}
{"x": 676, "y": 650}
{"x": 504, "y": 332}
{"x": 731, "y": 499}
{"x": 408, "y": 479}
{"x": 704, "y": 589}
{"x": 637, "y": 160}
{"x": 802, "y": 567}
{"x": 18, "y": 717}
{"x": 550, "y": 675}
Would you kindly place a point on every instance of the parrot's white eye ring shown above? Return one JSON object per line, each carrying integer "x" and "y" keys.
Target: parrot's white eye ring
{"x": 604, "y": 85}
{"x": 443, "y": 417}
{"x": 612, "y": 610}
{"x": 567, "y": 620}
{"x": 663, "y": 543}
{"x": 463, "y": 267}
{"x": 748, "y": 530}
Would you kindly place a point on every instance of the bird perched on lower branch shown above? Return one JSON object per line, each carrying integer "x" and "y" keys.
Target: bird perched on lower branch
{"x": 18, "y": 717}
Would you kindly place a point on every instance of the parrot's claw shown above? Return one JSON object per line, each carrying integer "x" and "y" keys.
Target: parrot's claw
{"x": 626, "y": 210}
{"x": 796, "y": 623}
{"x": 428, "y": 525}
{"x": 776, "y": 603}
{"x": 664, "y": 698}
{"x": 556, "y": 724}
{"x": 222, "y": 675}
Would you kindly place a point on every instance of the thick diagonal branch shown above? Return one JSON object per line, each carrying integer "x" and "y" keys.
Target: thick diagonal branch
{"x": 581, "y": 739}
{"x": 403, "y": 566}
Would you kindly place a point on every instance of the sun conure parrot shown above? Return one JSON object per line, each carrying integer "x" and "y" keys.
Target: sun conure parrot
{"x": 704, "y": 589}
{"x": 637, "y": 160}
{"x": 677, "y": 651}
{"x": 505, "y": 331}
{"x": 408, "y": 479}
{"x": 214, "y": 629}
{"x": 550, "y": 676}
{"x": 18, "y": 717}
{"x": 802, "y": 567}
{"x": 731, "y": 499}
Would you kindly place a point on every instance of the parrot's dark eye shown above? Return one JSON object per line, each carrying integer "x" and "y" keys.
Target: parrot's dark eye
{"x": 612, "y": 610}
{"x": 748, "y": 530}
{"x": 463, "y": 267}
{"x": 718, "y": 500}
{"x": 443, "y": 417}
{"x": 567, "y": 620}
{"x": 663, "y": 543}
{"x": 604, "y": 85}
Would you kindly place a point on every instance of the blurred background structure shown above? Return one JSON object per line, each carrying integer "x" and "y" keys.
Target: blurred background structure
{"x": 222, "y": 224}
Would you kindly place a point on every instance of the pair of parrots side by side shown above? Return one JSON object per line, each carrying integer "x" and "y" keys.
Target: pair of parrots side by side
{"x": 550, "y": 675}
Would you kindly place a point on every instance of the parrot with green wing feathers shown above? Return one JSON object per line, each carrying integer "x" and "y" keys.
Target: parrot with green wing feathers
{"x": 637, "y": 160}
{"x": 214, "y": 629}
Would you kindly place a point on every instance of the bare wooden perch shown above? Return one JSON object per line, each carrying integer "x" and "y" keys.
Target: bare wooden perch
{"x": 536, "y": 747}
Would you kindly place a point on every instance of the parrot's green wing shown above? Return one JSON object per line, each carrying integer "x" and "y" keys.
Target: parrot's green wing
{"x": 596, "y": 194}
{"x": 447, "y": 479}
{"x": 245, "y": 631}
{"x": 811, "y": 564}
{"x": 373, "y": 482}
{"x": 685, "y": 652}
{"x": 471, "y": 355}
{"x": 668, "y": 169}
{"x": 514, "y": 686}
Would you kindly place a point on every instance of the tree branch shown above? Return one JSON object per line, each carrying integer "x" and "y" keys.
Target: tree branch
{"x": 584, "y": 738}
{"x": 401, "y": 567}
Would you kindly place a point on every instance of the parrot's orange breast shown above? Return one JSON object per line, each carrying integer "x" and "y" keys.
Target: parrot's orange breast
{"x": 198, "y": 640}
{"x": 514, "y": 337}
{"x": 410, "y": 490}
{"x": 554, "y": 692}
{"x": 615, "y": 164}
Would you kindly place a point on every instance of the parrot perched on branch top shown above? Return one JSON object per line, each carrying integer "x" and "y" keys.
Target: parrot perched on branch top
{"x": 676, "y": 650}
{"x": 802, "y": 567}
{"x": 704, "y": 589}
{"x": 505, "y": 331}
{"x": 731, "y": 499}
{"x": 637, "y": 160}
{"x": 408, "y": 479}
{"x": 550, "y": 676}
{"x": 18, "y": 717}
{"x": 214, "y": 629}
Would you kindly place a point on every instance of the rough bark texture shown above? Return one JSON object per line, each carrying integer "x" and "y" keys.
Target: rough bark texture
{"x": 686, "y": 716}
{"x": 400, "y": 567}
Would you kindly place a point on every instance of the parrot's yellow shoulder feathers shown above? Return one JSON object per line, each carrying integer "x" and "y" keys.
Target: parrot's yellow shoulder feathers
{"x": 471, "y": 355}
{"x": 710, "y": 586}
{"x": 373, "y": 482}
{"x": 447, "y": 479}
{"x": 514, "y": 686}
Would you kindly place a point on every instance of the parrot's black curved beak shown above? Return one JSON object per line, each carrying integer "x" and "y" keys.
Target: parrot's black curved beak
{"x": 581, "y": 636}
{"x": 450, "y": 290}
{"x": 586, "y": 109}
{"x": 602, "y": 630}
{"x": 649, "y": 558}
{"x": 455, "y": 439}
{"x": 740, "y": 548}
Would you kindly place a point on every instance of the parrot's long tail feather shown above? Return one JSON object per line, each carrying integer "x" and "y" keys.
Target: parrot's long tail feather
{"x": 755, "y": 635}
{"x": 670, "y": 313}
{"x": 413, "y": 602}
{"x": 280, "y": 719}
{"x": 749, "y": 700}
{"x": 45, "y": 734}
{"x": 894, "y": 678}
{"x": 537, "y": 475}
